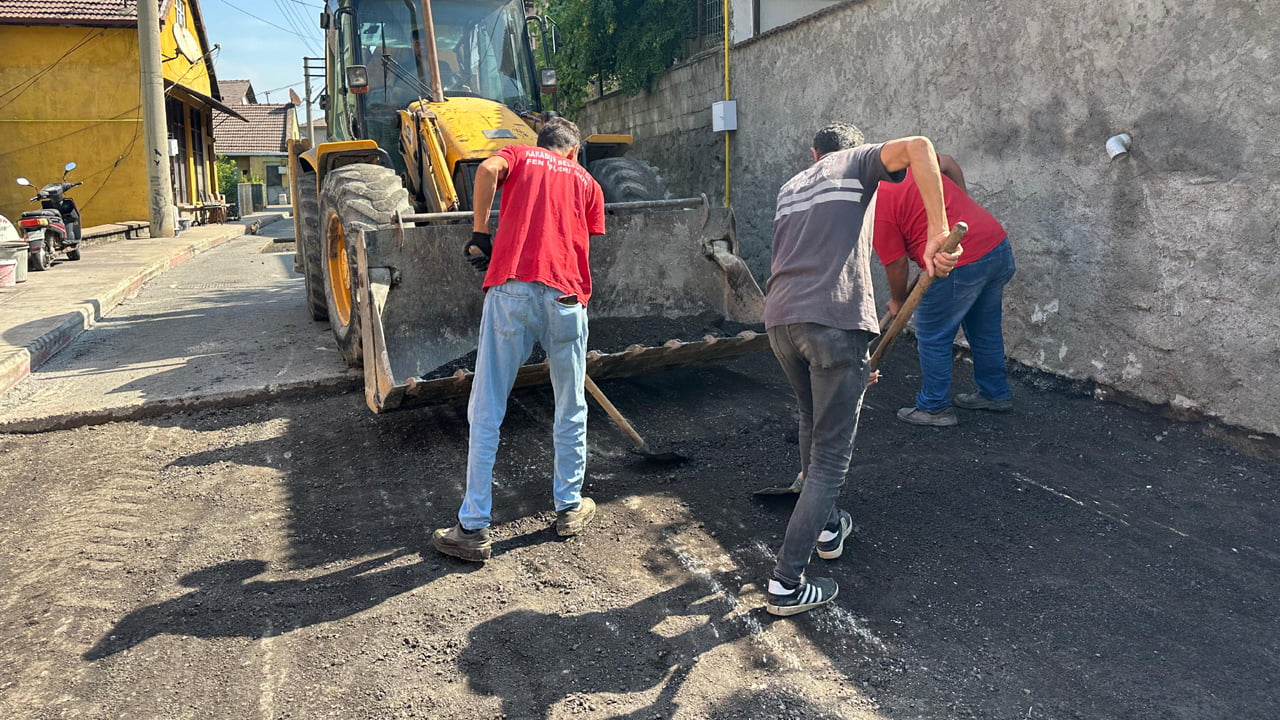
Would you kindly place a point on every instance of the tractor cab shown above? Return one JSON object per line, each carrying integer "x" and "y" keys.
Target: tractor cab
{"x": 381, "y": 62}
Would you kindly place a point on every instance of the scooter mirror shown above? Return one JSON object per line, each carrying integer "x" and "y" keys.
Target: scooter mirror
{"x": 24, "y": 182}
{"x": 69, "y": 167}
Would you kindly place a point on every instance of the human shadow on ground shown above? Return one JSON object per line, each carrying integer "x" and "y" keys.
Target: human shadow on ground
{"x": 1071, "y": 558}
{"x": 225, "y": 603}
{"x": 533, "y": 660}
{"x": 359, "y": 484}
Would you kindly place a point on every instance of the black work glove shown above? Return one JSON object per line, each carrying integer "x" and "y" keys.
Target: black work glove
{"x": 484, "y": 243}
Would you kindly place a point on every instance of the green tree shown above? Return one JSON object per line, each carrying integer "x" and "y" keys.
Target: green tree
{"x": 228, "y": 177}
{"x": 620, "y": 44}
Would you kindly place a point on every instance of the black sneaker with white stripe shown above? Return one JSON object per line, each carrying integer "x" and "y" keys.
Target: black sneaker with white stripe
{"x": 808, "y": 595}
{"x": 833, "y": 548}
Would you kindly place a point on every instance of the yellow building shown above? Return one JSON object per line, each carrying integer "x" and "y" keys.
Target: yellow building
{"x": 70, "y": 91}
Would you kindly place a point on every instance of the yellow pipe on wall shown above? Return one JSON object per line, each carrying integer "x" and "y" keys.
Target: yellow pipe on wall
{"x": 724, "y": 11}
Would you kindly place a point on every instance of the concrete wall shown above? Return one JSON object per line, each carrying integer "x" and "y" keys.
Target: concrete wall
{"x": 672, "y": 125}
{"x": 1150, "y": 274}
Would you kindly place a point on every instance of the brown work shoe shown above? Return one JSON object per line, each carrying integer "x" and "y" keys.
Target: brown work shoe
{"x": 574, "y": 520}
{"x": 945, "y": 417}
{"x": 474, "y": 546}
{"x": 978, "y": 401}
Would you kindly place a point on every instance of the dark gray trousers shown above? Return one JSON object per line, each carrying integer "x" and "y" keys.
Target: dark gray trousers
{"x": 827, "y": 368}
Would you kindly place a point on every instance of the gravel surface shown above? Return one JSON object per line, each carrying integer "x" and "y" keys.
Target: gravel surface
{"x": 1071, "y": 559}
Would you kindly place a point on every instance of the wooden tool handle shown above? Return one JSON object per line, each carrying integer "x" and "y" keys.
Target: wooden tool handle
{"x": 911, "y": 285}
{"x": 617, "y": 417}
{"x": 904, "y": 314}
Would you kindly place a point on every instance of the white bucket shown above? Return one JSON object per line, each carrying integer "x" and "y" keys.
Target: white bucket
{"x": 17, "y": 252}
{"x": 8, "y": 273}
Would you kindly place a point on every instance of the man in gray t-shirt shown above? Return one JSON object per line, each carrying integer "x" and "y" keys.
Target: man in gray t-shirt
{"x": 821, "y": 270}
{"x": 820, "y": 315}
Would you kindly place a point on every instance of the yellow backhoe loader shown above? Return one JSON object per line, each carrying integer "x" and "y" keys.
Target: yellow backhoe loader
{"x": 417, "y": 94}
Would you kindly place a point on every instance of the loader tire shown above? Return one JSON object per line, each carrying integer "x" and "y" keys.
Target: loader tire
{"x": 355, "y": 197}
{"x": 625, "y": 179}
{"x": 309, "y": 249}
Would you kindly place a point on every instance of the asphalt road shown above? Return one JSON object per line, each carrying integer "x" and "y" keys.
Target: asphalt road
{"x": 1072, "y": 559}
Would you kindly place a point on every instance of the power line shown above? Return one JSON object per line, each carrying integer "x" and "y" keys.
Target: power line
{"x": 304, "y": 20}
{"x": 282, "y": 87}
{"x": 57, "y": 138}
{"x": 198, "y": 62}
{"x": 30, "y": 82}
{"x": 289, "y": 17}
{"x": 295, "y": 22}
{"x": 268, "y": 22}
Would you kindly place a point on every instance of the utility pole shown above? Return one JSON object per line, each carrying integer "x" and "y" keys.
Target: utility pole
{"x": 312, "y": 67}
{"x": 159, "y": 182}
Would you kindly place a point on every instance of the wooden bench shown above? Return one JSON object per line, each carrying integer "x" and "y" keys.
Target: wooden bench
{"x": 205, "y": 213}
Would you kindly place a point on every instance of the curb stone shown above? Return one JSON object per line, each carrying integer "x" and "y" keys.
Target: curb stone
{"x": 346, "y": 382}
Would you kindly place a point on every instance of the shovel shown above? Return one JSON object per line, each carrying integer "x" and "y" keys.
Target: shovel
{"x": 887, "y": 338}
{"x": 641, "y": 447}
{"x": 795, "y": 486}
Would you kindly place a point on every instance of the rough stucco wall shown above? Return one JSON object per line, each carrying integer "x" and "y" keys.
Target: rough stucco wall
{"x": 98, "y": 83}
{"x": 1150, "y": 274}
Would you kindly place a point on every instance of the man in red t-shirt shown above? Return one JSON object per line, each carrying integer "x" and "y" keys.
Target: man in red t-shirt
{"x": 537, "y": 283}
{"x": 969, "y": 297}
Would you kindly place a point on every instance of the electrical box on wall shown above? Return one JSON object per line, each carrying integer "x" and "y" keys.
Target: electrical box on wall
{"x": 724, "y": 115}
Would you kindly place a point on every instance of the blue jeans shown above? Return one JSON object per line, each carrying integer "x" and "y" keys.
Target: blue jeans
{"x": 516, "y": 314}
{"x": 970, "y": 297}
{"x": 827, "y": 368}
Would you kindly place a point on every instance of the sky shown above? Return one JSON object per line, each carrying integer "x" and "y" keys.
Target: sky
{"x": 264, "y": 41}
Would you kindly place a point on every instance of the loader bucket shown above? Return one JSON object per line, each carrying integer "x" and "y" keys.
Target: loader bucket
{"x": 661, "y": 264}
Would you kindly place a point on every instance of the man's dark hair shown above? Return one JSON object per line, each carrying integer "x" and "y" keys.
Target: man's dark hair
{"x": 559, "y": 134}
{"x": 837, "y": 136}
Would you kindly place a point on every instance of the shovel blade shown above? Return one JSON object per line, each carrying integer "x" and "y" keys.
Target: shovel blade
{"x": 661, "y": 458}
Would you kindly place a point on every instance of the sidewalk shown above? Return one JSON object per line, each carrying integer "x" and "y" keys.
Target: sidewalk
{"x": 42, "y": 315}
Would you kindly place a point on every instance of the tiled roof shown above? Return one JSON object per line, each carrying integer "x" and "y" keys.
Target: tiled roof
{"x": 234, "y": 91}
{"x": 70, "y": 12}
{"x": 264, "y": 133}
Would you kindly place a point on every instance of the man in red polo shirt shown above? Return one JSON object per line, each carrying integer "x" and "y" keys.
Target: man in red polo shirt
{"x": 537, "y": 284}
{"x": 969, "y": 297}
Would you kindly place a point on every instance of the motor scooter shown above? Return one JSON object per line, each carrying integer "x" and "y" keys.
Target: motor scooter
{"x": 53, "y": 228}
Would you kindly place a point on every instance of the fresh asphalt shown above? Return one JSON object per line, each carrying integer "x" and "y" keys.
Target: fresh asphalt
{"x": 228, "y": 326}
